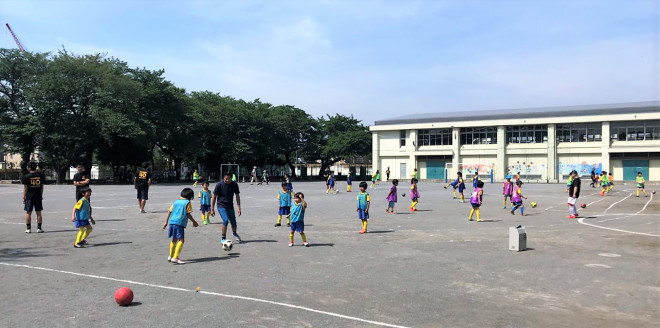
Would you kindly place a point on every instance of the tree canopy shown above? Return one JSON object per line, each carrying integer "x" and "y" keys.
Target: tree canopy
{"x": 85, "y": 108}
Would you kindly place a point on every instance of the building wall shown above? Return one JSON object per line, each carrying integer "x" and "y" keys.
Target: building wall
{"x": 550, "y": 160}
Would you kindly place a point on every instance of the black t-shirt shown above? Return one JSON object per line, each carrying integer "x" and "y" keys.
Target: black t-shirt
{"x": 576, "y": 183}
{"x": 80, "y": 177}
{"x": 225, "y": 193}
{"x": 34, "y": 182}
{"x": 142, "y": 177}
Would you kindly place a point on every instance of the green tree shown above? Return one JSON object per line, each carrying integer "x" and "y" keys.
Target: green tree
{"x": 336, "y": 138}
{"x": 18, "y": 120}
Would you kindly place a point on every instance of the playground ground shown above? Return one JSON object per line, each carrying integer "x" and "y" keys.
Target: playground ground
{"x": 430, "y": 268}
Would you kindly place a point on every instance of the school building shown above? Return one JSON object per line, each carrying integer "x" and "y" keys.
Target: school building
{"x": 543, "y": 144}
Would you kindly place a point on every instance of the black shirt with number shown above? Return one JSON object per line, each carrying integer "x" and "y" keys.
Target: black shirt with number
{"x": 574, "y": 191}
{"x": 34, "y": 182}
{"x": 78, "y": 177}
{"x": 142, "y": 177}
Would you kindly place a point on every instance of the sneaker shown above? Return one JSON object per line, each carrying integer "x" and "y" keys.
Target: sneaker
{"x": 306, "y": 244}
{"x": 571, "y": 217}
{"x": 28, "y": 231}
{"x": 290, "y": 244}
{"x": 39, "y": 230}
{"x": 238, "y": 238}
{"x": 504, "y": 206}
{"x": 169, "y": 259}
{"x": 479, "y": 220}
{"x": 278, "y": 224}
{"x": 445, "y": 187}
{"x": 222, "y": 241}
{"x": 410, "y": 207}
{"x": 206, "y": 222}
{"x": 83, "y": 242}
{"x": 512, "y": 213}
{"x": 78, "y": 246}
{"x": 177, "y": 261}
{"x": 363, "y": 231}
{"x": 461, "y": 201}
{"x": 143, "y": 211}
{"x": 469, "y": 219}
{"x": 288, "y": 224}
{"x": 414, "y": 210}
{"x": 454, "y": 197}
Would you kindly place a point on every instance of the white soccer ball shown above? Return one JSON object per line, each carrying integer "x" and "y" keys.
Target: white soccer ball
{"x": 227, "y": 245}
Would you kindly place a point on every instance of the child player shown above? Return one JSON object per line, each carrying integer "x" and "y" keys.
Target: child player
{"x": 363, "y": 202}
{"x": 640, "y": 184}
{"x": 458, "y": 183}
{"x": 573, "y": 195}
{"x": 391, "y": 197}
{"x": 331, "y": 183}
{"x": 414, "y": 194}
{"x": 610, "y": 182}
{"x": 289, "y": 185}
{"x": 603, "y": 183}
{"x": 517, "y": 199}
{"x": 349, "y": 181}
{"x": 205, "y": 202}
{"x": 195, "y": 178}
{"x": 507, "y": 190}
{"x": 33, "y": 191}
{"x": 298, "y": 218}
{"x": 475, "y": 179}
{"x": 284, "y": 198}
{"x": 476, "y": 199}
{"x": 82, "y": 216}
{"x": 177, "y": 218}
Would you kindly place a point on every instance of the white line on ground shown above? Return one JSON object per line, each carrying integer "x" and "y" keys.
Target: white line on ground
{"x": 581, "y": 221}
{"x": 207, "y": 293}
{"x": 607, "y": 209}
{"x": 645, "y": 205}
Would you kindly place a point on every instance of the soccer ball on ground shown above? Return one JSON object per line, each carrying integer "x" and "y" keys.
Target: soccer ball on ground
{"x": 583, "y": 205}
{"x": 533, "y": 204}
{"x": 227, "y": 245}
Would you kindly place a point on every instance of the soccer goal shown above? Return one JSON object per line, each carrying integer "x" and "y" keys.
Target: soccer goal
{"x": 232, "y": 169}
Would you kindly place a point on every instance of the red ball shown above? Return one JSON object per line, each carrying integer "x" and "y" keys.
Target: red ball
{"x": 583, "y": 205}
{"x": 124, "y": 296}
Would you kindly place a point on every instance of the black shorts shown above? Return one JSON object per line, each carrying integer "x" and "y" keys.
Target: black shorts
{"x": 143, "y": 193}
{"x": 33, "y": 204}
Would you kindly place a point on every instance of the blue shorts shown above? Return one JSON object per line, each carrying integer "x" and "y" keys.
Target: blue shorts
{"x": 391, "y": 204}
{"x": 35, "y": 204}
{"x": 362, "y": 215}
{"x": 176, "y": 231}
{"x": 461, "y": 188}
{"x": 475, "y": 206}
{"x": 204, "y": 208}
{"x": 228, "y": 216}
{"x": 143, "y": 193}
{"x": 81, "y": 223}
{"x": 298, "y": 226}
{"x": 284, "y": 210}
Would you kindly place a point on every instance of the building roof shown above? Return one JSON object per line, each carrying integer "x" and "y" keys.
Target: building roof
{"x": 526, "y": 113}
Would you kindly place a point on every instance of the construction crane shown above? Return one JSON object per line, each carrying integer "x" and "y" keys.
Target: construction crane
{"x": 18, "y": 42}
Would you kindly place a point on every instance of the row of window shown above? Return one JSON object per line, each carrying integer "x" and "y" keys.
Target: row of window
{"x": 573, "y": 132}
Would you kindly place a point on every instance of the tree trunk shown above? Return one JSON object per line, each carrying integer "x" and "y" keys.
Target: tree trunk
{"x": 61, "y": 174}
{"x": 324, "y": 165}
{"x": 177, "y": 167}
{"x": 290, "y": 164}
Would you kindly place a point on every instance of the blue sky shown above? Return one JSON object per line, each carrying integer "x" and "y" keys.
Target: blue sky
{"x": 370, "y": 59}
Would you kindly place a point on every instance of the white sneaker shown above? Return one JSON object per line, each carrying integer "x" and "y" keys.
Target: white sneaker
{"x": 28, "y": 231}
{"x": 290, "y": 244}
{"x": 39, "y": 230}
{"x": 169, "y": 259}
{"x": 177, "y": 261}
{"x": 143, "y": 211}
{"x": 237, "y": 237}
{"x": 306, "y": 244}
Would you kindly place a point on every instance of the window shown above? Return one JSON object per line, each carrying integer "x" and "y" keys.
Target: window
{"x": 579, "y": 132}
{"x": 527, "y": 134}
{"x": 434, "y": 137}
{"x": 635, "y": 130}
{"x": 402, "y": 138}
{"x": 474, "y": 136}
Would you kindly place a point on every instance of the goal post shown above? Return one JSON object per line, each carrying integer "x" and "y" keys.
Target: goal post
{"x": 232, "y": 169}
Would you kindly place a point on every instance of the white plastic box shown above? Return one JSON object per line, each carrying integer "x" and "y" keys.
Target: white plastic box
{"x": 517, "y": 239}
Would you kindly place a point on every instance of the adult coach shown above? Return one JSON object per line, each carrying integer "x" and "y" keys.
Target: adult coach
{"x": 142, "y": 181}
{"x": 80, "y": 180}
{"x": 573, "y": 195}
{"x": 224, "y": 193}
{"x": 33, "y": 191}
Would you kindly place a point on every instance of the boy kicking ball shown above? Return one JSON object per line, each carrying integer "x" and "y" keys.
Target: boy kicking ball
{"x": 177, "y": 218}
